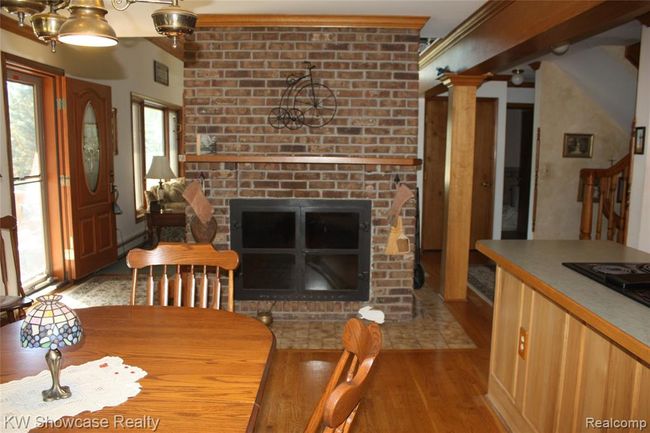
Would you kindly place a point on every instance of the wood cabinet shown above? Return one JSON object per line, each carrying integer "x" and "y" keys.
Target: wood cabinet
{"x": 551, "y": 372}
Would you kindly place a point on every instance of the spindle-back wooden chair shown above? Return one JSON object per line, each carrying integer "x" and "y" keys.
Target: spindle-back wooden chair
{"x": 13, "y": 302}
{"x": 340, "y": 400}
{"x": 189, "y": 262}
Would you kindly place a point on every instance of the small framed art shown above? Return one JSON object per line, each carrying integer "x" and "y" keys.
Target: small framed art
{"x": 578, "y": 145}
{"x": 206, "y": 144}
{"x": 160, "y": 73}
{"x": 639, "y": 140}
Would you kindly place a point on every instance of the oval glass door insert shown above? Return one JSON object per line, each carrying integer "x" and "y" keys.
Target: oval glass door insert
{"x": 90, "y": 147}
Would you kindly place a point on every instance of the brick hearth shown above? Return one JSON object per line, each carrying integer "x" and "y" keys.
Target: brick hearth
{"x": 234, "y": 77}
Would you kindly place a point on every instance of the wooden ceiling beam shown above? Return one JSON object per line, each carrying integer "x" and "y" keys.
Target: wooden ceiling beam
{"x": 165, "y": 44}
{"x": 343, "y": 21}
{"x": 510, "y": 32}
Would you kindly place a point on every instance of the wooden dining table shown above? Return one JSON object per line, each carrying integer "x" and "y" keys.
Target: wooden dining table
{"x": 206, "y": 369}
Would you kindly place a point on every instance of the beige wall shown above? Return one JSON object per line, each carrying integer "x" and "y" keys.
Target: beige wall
{"x": 565, "y": 108}
{"x": 126, "y": 68}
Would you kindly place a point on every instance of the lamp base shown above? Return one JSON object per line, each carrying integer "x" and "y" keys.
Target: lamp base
{"x": 56, "y": 392}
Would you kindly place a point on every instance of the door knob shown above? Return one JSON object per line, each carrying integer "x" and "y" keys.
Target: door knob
{"x": 485, "y": 184}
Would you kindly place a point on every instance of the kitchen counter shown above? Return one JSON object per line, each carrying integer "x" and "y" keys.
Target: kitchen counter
{"x": 565, "y": 349}
{"x": 538, "y": 263}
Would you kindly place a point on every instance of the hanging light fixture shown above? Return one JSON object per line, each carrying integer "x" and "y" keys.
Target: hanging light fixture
{"x": 46, "y": 25}
{"x": 517, "y": 77}
{"x": 171, "y": 21}
{"x": 174, "y": 22}
{"x": 87, "y": 25}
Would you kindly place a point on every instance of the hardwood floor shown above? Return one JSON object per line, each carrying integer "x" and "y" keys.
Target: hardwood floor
{"x": 427, "y": 391}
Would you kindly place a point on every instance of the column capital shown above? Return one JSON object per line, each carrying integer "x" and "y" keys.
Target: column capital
{"x": 450, "y": 79}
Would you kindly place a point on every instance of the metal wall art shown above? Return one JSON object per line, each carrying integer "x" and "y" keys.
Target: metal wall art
{"x": 304, "y": 103}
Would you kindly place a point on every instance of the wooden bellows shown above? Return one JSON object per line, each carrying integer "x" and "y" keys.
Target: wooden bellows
{"x": 191, "y": 266}
{"x": 338, "y": 405}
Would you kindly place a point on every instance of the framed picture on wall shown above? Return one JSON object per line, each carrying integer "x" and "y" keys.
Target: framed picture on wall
{"x": 639, "y": 140}
{"x": 578, "y": 145}
{"x": 206, "y": 144}
{"x": 160, "y": 73}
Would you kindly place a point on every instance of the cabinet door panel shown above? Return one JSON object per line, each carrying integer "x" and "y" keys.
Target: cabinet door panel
{"x": 544, "y": 363}
{"x": 592, "y": 388}
{"x": 568, "y": 393}
{"x": 507, "y": 319}
{"x": 641, "y": 399}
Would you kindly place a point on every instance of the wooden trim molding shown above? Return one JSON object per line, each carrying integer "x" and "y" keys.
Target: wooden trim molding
{"x": 482, "y": 14}
{"x": 451, "y": 80}
{"x": 165, "y": 44}
{"x": 344, "y": 21}
{"x": 407, "y": 162}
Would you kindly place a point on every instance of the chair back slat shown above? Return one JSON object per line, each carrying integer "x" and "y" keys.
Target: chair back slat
{"x": 203, "y": 289}
{"x": 177, "y": 285}
{"x": 150, "y": 286}
{"x": 338, "y": 405}
{"x": 134, "y": 283}
{"x": 216, "y": 292}
{"x": 163, "y": 288}
{"x": 188, "y": 263}
{"x": 189, "y": 288}
{"x": 231, "y": 289}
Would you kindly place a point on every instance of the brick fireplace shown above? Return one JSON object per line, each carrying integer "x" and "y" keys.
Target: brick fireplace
{"x": 235, "y": 76}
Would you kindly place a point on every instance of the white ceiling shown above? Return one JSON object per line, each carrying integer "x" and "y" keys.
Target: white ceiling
{"x": 445, "y": 14}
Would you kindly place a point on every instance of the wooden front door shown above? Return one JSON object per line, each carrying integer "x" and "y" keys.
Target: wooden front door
{"x": 88, "y": 167}
{"x": 435, "y": 142}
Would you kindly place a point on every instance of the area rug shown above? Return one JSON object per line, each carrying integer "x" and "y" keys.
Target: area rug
{"x": 481, "y": 279}
{"x": 433, "y": 327}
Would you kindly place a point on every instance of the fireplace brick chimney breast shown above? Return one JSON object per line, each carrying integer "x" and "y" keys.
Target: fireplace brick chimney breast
{"x": 235, "y": 76}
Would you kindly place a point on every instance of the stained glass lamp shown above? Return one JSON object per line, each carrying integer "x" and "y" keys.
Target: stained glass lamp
{"x": 50, "y": 324}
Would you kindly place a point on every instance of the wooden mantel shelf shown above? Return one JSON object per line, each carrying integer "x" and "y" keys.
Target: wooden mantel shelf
{"x": 408, "y": 162}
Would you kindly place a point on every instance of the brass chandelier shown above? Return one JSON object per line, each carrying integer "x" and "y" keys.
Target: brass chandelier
{"x": 87, "y": 26}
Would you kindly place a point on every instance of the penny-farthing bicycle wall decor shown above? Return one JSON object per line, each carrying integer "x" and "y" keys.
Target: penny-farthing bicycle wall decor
{"x": 304, "y": 103}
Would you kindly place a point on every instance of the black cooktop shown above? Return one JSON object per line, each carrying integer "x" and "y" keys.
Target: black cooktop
{"x": 629, "y": 279}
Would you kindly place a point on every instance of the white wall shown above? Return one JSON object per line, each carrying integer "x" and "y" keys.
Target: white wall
{"x": 126, "y": 68}
{"x": 638, "y": 235}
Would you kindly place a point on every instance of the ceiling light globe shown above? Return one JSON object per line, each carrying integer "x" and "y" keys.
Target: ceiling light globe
{"x": 560, "y": 49}
{"x": 517, "y": 77}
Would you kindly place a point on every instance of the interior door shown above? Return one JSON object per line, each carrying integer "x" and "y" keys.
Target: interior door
{"x": 88, "y": 167}
{"x": 433, "y": 196}
{"x": 435, "y": 143}
{"x": 483, "y": 191}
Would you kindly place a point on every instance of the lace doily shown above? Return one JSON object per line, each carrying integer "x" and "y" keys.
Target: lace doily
{"x": 94, "y": 385}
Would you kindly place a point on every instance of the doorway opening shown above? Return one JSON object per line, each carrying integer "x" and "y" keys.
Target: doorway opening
{"x": 517, "y": 171}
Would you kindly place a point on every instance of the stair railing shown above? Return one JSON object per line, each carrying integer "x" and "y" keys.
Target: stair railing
{"x": 611, "y": 188}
